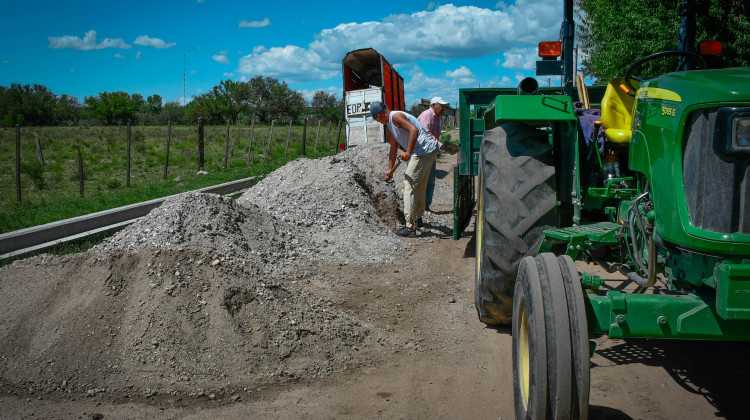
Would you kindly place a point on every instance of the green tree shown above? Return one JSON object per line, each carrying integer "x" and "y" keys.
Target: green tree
{"x": 615, "y": 33}
{"x": 321, "y": 102}
{"x": 154, "y": 103}
{"x": 68, "y": 109}
{"x": 233, "y": 98}
{"x": 27, "y": 105}
{"x": 114, "y": 107}
{"x": 208, "y": 106}
{"x": 172, "y": 111}
{"x": 269, "y": 99}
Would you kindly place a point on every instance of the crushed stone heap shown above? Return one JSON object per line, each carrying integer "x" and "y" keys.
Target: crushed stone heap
{"x": 344, "y": 208}
{"x": 215, "y": 225}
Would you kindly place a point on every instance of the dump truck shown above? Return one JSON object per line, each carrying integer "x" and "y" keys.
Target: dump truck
{"x": 368, "y": 77}
{"x": 657, "y": 188}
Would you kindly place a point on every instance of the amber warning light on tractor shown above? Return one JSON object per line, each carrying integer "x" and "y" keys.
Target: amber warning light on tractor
{"x": 550, "y": 49}
{"x": 710, "y": 47}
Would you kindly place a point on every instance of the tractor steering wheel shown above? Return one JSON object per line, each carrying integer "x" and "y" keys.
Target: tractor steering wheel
{"x": 629, "y": 77}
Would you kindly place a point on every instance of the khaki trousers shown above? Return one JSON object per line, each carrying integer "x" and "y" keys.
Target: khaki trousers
{"x": 415, "y": 186}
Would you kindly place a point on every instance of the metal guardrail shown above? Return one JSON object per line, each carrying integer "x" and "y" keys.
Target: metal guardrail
{"x": 37, "y": 238}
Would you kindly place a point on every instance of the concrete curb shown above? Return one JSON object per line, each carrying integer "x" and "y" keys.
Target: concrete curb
{"x": 36, "y": 238}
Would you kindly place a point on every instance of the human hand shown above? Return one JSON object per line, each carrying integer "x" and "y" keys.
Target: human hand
{"x": 404, "y": 156}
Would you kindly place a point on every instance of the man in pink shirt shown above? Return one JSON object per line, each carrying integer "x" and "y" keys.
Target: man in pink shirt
{"x": 430, "y": 119}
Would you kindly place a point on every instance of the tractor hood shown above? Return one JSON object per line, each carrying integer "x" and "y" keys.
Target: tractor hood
{"x": 700, "y": 86}
{"x": 678, "y": 143}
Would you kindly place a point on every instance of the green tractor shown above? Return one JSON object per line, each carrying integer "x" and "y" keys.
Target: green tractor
{"x": 664, "y": 199}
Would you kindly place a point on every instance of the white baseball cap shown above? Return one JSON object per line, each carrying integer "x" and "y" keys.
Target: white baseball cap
{"x": 438, "y": 100}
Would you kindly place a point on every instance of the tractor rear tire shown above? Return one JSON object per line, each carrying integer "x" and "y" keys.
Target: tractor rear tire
{"x": 516, "y": 203}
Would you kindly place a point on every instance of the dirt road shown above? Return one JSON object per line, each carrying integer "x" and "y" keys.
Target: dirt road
{"x": 427, "y": 355}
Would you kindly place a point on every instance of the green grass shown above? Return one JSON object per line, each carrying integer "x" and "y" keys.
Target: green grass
{"x": 51, "y": 192}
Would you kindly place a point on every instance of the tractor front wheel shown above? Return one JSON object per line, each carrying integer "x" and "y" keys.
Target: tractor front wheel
{"x": 550, "y": 340}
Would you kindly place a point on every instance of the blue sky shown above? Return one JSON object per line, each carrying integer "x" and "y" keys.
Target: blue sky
{"x": 83, "y": 48}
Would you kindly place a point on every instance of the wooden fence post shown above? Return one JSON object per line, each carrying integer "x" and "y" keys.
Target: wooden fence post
{"x": 201, "y": 158}
{"x": 18, "y": 163}
{"x": 80, "y": 171}
{"x": 328, "y": 133}
{"x": 338, "y": 138}
{"x": 304, "y": 137}
{"x": 270, "y": 138}
{"x": 169, "y": 139}
{"x": 39, "y": 153}
{"x": 288, "y": 136}
{"x": 226, "y": 147}
{"x": 127, "y": 172}
{"x": 315, "y": 151}
{"x": 250, "y": 147}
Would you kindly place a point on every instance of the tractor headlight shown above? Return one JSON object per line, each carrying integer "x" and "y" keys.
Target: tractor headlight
{"x": 741, "y": 133}
{"x": 732, "y": 130}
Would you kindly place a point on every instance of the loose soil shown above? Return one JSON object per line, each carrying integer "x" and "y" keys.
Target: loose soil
{"x": 297, "y": 301}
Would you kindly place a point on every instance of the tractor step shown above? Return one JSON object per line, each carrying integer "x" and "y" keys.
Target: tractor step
{"x": 580, "y": 238}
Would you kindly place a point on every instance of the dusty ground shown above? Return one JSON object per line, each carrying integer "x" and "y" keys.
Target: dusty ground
{"x": 133, "y": 333}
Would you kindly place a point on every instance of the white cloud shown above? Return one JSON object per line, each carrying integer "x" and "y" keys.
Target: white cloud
{"x": 255, "y": 24}
{"x": 89, "y": 42}
{"x": 220, "y": 58}
{"x": 147, "y": 41}
{"x": 519, "y": 58}
{"x": 419, "y": 85}
{"x": 120, "y": 56}
{"x": 461, "y": 72}
{"x": 138, "y": 55}
{"x": 502, "y": 82}
{"x": 448, "y": 32}
{"x": 291, "y": 64}
{"x": 331, "y": 90}
{"x": 228, "y": 74}
{"x": 461, "y": 76}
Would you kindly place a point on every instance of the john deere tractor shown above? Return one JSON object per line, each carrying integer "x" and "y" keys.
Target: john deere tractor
{"x": 657, "y": 187}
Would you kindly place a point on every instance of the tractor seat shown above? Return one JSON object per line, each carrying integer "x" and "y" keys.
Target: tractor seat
{"x": 617, "y": 108}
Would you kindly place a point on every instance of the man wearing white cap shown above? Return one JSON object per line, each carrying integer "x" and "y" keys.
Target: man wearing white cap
{"x": 430, "y": 119}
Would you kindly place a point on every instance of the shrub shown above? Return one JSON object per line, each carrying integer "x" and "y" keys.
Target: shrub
{"x": 113, "y": 184}
{"x": 35, "y": 171}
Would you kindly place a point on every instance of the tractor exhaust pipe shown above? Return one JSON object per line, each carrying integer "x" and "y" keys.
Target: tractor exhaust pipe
{"x": 528, "y": 86}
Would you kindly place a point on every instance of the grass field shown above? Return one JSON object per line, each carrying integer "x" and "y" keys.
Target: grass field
{"x": 51, "y": 191}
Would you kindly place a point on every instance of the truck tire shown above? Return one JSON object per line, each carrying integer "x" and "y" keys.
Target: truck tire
{"x": 516, "y": 203}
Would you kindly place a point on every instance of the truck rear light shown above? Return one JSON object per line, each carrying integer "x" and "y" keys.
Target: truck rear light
{"x": 710, "y": 47}
{"x": 550, "y": 49}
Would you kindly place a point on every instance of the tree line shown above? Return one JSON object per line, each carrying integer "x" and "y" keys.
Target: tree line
{"x": 614, "y": 34}
{"x": 260, "y": 99}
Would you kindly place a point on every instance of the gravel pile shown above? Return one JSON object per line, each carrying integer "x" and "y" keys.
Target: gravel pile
{"x": 341, "y": 206}
{"x": 216, "y": 225}
{"x": 209, "y": 295}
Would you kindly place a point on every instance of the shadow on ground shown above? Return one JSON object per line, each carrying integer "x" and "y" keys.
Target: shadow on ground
{"x": 713, "y": 370}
